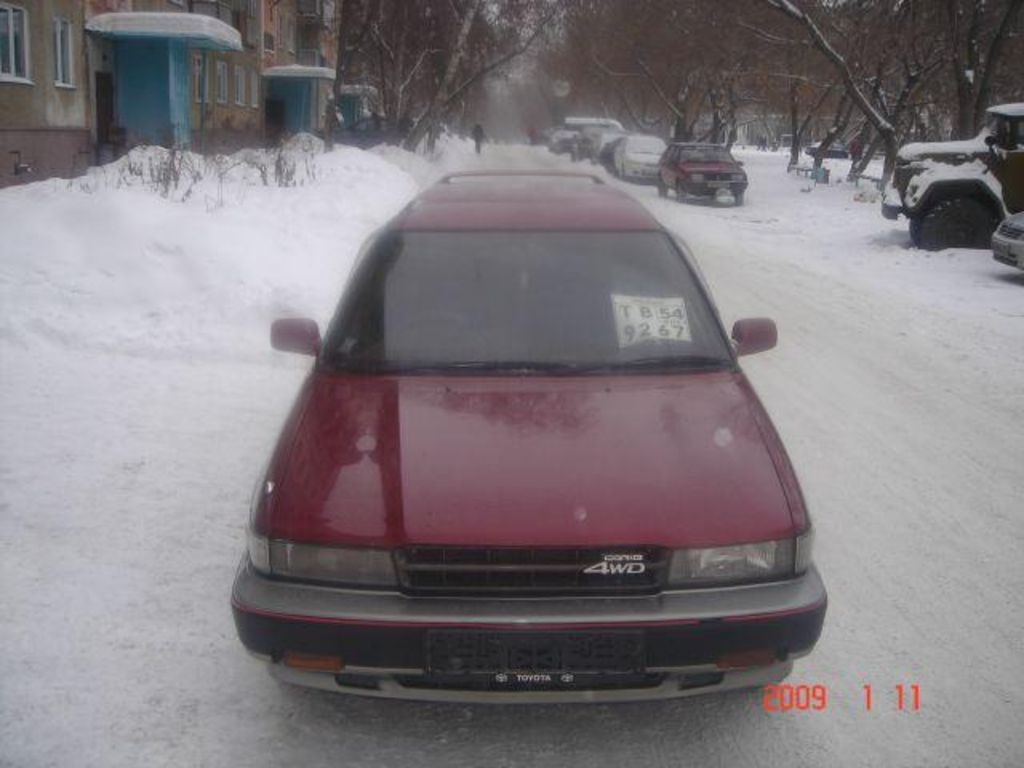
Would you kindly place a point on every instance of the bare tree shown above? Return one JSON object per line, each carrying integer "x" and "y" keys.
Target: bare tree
{"x": 977, "y": 36}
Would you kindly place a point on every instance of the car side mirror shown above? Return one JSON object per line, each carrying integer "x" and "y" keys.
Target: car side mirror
{"x": 754, "y": 334}
{"x": 295, "y": 334}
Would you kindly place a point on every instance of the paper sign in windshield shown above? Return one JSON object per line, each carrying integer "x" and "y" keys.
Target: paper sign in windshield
{"x": 642, "y": 318}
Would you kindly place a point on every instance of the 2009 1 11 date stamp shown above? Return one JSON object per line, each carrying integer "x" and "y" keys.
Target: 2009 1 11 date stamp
{"x": 802, "y": 697}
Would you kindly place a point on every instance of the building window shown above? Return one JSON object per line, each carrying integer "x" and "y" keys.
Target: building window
{"x": 222, "y": 82}
{"x": 13, "y": 42}
{"x": 62, "y": 60}
{"x": 254, "y": 89}
{"x": 290, "y": 34}
{"x": 239, "y": 85}
{"x": 200, "y": 79}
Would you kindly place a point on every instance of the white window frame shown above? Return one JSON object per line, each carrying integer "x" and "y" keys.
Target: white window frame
{"x": 254, "y": 88}
{"x": 11, "y": 77}
{"x": 64, "y": 69}
{"x": 240, "y": 79}
{"x": 222, "y": 82}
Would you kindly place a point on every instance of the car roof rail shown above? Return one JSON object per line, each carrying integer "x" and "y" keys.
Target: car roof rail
{"x": 449, "y": 178}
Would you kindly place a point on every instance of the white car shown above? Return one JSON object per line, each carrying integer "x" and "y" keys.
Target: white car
{"x": 637, "y": 156}
{"x": 1008, "y": 241}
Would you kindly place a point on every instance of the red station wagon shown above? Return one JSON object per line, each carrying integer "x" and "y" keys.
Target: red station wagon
{"x": 526, "y": 466}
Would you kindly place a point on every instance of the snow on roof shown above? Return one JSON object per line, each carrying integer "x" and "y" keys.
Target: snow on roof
{"x": 299, "y": 71}
{"x": 200, "y": 31}
{"x": 1008, "y": 110}
{"x": 606, "y": 121}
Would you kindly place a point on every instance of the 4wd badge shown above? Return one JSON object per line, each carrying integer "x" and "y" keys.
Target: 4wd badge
{"x": 613, "y": 565}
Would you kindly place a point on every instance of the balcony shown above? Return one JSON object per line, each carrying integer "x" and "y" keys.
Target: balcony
{"x": 310, "y": 57}
{"x": 311, "y": 11}
{"x": 219, "y": 9}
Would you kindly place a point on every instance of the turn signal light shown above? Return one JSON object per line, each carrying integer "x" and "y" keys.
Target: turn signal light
{"x": 742, "y": 659}
{"x": 312, "y": 662}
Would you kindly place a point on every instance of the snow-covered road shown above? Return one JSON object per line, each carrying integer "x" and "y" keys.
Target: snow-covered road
{"x": 128, "y": 445}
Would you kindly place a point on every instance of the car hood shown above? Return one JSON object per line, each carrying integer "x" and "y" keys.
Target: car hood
{"x": 949, "y": 150}
{"x": 685, "y": 460}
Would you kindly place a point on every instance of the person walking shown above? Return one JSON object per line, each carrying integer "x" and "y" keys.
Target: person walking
{"x": 478, "y": 137}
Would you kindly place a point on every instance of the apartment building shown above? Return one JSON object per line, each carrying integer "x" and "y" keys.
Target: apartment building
{"x": 299, "y": 54}
{"x": 81, "y": 81}
{"x": 44, "y": 93}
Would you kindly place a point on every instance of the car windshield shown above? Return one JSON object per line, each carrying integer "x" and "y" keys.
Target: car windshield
{"x": 646, "y": 145}
{"x": 531, "y": 301}
{"x": 705, "y": 155}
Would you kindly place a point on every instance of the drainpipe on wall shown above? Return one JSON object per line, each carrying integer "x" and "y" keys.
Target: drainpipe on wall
{"x": 203, "y": 83}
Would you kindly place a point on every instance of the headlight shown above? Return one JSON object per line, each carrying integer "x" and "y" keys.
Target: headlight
{"x": 696, "y": 177}
{"x": 762, "y": 561}
{"x": 353, "y": 566}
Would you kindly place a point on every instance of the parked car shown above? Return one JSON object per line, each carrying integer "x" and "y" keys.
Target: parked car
{"x": 602, "y": 147}
{"x": 836, "y": 151}
{"x": 1008, "y": 242}
{"x": 955, "y": 193}
{"x": 637, "y": 156}
{"x": 564, "y": 142}
{"x": 590, "y": 130}
{"x": 702, "y": 170}
{"x": 368, "y": 132}
{"x": 527, "y": 466}
{"x": 606, "y": 156}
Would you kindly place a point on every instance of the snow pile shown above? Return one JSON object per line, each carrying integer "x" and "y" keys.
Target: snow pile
{"x": 451, "y": 154}
{"x": 182, "y": 175}
{"x": 163, "y": 252}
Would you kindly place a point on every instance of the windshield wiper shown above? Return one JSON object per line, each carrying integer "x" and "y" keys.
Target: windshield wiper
{"x": 483, "y": 366}
{"x": 663, "y": 362}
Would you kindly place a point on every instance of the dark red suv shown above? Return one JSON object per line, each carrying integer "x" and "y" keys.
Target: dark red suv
{"x": 701, "y": 170}
{"x": 526, "y": 466}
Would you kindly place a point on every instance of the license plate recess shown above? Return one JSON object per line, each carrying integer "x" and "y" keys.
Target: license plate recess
{"x": 493, "y": 653}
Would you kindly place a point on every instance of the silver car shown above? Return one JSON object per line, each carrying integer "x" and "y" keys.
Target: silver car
{"x": 1008, "y": 241}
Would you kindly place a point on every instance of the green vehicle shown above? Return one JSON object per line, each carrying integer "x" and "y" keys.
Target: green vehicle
{"x": 955, "y": 193}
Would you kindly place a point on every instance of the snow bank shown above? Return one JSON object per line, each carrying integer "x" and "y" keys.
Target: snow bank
{"x": 451, "y": 154}
{"x": 207, "y": 251}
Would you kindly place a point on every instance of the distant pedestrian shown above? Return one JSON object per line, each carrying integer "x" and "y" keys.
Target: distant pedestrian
{"x": 856, "y": 150}
{"x": 478, "y": 137}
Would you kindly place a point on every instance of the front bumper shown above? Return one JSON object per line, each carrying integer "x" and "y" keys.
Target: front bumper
{"x": 710, "y": 188}
{"x": 1007, "y": 251}
{"x": 890, "y": 211}
{"x": 693, "y": 641}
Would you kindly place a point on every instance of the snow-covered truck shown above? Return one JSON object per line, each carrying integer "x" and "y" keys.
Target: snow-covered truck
{"x": 955, "y": 193}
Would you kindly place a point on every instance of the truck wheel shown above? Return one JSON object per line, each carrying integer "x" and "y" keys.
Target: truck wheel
{"x": 957, "y": 223}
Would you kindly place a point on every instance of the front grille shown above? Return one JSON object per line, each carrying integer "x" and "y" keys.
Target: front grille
{"x": 1011, "y": 231}
{"x": 531, "y": 570}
